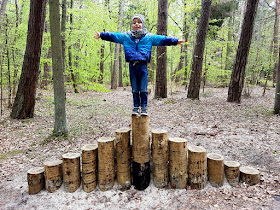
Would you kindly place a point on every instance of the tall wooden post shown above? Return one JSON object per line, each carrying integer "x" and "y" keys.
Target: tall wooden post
{"x": 123, "y": 158}
{"x": 215, "y": 164}
{"x": 89, "y": 167}
{"x": 178, "y": 162}
{"x": 53, "y": 175}
{"x": 71, "y": 171}
{"x": 140, "y": 152}
{"x": 160, "y": 155}
{"x": 106, "y": 163}
{"x": 197, "y": 167}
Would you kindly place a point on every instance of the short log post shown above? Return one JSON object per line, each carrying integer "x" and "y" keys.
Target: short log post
{"x": 89, "y": 167}
{"x": 197, "y": 167}
{"x": 160, "y": 154}
{"x": 71, "y": 171}
{"x": 140, "y": 152}
{"x": 123, "y": 158}
{"x": 53, "y": 175}
{"x": 215, "y": 165}
{"x": 232, "y": 172}
{"x": 178, "y": 162}
{"x": 36, "y": 180}
{"x": 249, "y": 175}
{"x": 106, "y": 163}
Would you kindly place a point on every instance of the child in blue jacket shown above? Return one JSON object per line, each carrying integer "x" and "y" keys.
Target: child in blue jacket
{"x": 137, "y": 45}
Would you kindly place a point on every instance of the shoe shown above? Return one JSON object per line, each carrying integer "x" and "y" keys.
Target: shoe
{"x": 144, "y": 111}
{"x": 135, "y": 111}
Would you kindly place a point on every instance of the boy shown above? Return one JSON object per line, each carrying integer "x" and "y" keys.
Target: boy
{"x": 137, "y": 47}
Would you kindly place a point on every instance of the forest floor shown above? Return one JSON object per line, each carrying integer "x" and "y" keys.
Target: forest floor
{"x": 246, "y": 132}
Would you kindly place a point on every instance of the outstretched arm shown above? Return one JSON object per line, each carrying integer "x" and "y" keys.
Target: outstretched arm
{"x": 112, "y": 37}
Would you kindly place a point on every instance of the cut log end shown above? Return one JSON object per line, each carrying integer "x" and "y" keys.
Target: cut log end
{"x": 36, "y": 180}
{"x": 249, "y": 175}
{"x": 89, "y": 147}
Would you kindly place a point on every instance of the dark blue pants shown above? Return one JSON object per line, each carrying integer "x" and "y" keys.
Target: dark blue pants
{"x": 139, "y": 81}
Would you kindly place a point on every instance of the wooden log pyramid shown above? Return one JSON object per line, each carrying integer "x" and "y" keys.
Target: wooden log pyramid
{"x": 170, "y": 161}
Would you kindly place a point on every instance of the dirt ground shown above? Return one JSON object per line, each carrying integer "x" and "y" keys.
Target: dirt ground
{"x": 246, "y": 132}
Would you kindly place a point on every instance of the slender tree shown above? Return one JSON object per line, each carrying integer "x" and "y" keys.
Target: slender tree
{"x": 24, "y": 102}
{"x": 60, "y": 127}
{"x": 195, "y": 80}
{"x": 2, "y": 9}
{"x": 161, "y": 72}
{"x": 275, "y": 38}
{"x": 238, "y": 73}
{"x": 114, "y": 75}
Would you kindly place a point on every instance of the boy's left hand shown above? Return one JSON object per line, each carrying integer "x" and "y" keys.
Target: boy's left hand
{"x": 180, "y": 41}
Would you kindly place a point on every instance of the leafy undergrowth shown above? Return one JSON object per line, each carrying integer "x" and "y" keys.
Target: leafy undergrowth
{"x": 246, "y": 132}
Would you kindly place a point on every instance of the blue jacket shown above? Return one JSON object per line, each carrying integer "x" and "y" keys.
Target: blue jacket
{"x": 139, "y": 49}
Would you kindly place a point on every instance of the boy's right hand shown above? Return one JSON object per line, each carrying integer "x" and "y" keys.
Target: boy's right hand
{"x": 97, "y": 35}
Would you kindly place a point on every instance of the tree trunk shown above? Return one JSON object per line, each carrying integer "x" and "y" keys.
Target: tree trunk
{"x": 277, "y": 90}
{"x": 53, "y": 175}
{"x": 2, "y": 9}
{"x": 249, "y": 175}
{"x": 101, "y": 65}
{"x": 60, "y": 127}
{"x": 73, "y": 78}
{"x": 232, "y": 172}
{"x": 275, "y": 39}
{"x": 120, "y": 69}
{"x": 36, "y": 180}
{"x": 161, "y": 72}
{"x": 114, "y": 75}
{"x": 195, "y": 80}
{"x": 63, "y": 30}
{"x": 47, "y": 69}
{"x": 238, "y": 73}
{"x": 24, "y": 103}
{"x": 215, "y": 166}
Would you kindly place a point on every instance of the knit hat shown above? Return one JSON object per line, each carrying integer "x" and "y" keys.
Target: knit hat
{"x": 140, "y": 17}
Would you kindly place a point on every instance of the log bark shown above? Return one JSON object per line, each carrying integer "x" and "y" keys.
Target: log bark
{"x": 178, "y": 163}
{"x": 140, "y": 152}
{"x": 197, "y": 167}
{"x": 232, "y": 172}
{"x": 106, "y": 163}
{"x": 89, "y": 167}
{"x": 249, "y": 175}
{"x": 215, "y": 165}
{"x": 160, "y": 154}
{"x": 36, "y": 180}
{"x": 123, "y": 158}
{"x": 71, "y": 171}
{"x": 53, "y": 175}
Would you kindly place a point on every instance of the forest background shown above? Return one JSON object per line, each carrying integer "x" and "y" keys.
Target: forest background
{"x": 90, "y": 63}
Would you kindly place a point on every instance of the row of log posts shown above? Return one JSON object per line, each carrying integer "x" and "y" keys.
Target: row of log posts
{"x": 172, "y": 160}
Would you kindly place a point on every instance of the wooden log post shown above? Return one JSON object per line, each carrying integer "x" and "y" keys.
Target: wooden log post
{"x": 249, "y": 175}
{"x": 160, "y": 155}
{"x": 123, "y": 158}
{"x": 89, "y": 167}
{"x": 140, "y": 152}
{"x": 178, "y": 162}
{"x": 71, "y": 171}
{"x": 36, "y": 180}
{"x": 232, "y": 172}
{"x": 106, "y": 163}
{"x": 197, "y": 167}
{"x": 53, "y": 175}
{"x": 215, "y": 165}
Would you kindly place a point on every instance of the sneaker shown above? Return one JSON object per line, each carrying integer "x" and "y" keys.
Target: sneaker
{"x": 135, "y": 111}
{"x": 144, "y": 111}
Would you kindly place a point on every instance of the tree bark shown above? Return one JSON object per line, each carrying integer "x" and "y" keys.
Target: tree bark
{"x": 24, "y": 103}
{"x": 2, "y": 9}
{"x": 195, "y": 80}
{"x": 161, "y": 72}
{"x": 215, "y": 165}
{"x": 114, "y": 75}
{"x": 36, "y": 180}
{"x": 275, "y": 38}
{"x": 249, "y": 175}
{"x": 238, "y": 73}
{"x": 60, "y": 127}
